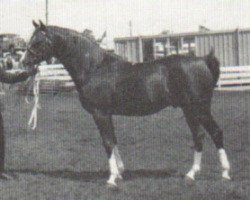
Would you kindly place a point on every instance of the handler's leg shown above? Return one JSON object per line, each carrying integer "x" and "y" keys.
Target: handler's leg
{"x": 2, "y": 151}
{"x": 2, "y": 145}
{"x": 105, "y": 126}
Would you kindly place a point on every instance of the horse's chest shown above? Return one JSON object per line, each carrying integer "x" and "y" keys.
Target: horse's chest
{"x": 98, "y": 92}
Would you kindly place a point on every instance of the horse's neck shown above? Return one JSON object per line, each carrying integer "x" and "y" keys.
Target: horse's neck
{"x": 78, "y": 61}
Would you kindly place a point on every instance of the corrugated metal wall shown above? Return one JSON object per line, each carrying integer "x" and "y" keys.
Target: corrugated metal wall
{"x": 129, "y": 50}
{"x": 120, "y": 49}
{"x": 132, "y": 51}
{"x": 224, "y": 45}
{"x": 244, "y": 48}
{"x": 232, "y": 49}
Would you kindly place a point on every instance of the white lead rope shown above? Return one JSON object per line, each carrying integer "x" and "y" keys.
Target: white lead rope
{"x": 33, "y": 117}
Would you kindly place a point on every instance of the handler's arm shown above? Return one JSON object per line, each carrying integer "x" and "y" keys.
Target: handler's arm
{"x": 10, "y": 78}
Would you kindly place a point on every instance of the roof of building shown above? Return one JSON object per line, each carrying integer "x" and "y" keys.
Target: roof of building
{"x": 8, "y": 34}
{"x": 172, "y": 35}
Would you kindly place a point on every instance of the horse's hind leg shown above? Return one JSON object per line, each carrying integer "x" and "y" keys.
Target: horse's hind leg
{"x": 195, "y": 128}
{"x": 106, "y": 128}
{"x": 216, "y": 134}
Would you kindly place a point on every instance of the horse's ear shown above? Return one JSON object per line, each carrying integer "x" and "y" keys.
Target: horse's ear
{"x": 35, "y": 24}
{"x": 42, "y": 25}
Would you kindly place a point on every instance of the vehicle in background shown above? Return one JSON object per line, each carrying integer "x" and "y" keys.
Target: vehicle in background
{"x": 11, "y": 43}
{"x": 172, "y": 50}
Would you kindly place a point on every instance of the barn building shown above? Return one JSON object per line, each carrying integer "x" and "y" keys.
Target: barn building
{"x": 232, "y": 47}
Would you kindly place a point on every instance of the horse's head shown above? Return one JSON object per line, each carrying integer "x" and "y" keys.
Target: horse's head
{"x": 39, "y": 47}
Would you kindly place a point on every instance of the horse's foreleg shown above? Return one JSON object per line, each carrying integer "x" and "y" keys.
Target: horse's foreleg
{"x": 194, "y": 126}
{"x": 106, "y": 128}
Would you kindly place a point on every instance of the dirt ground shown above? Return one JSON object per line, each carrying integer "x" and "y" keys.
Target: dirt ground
{"x": 63, "y": 159}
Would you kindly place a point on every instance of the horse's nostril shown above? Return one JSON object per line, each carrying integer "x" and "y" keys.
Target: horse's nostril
{"x": 24, "y": 63}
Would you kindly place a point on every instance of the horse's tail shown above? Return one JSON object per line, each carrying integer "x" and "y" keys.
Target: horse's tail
{"x": 213, "y": 65}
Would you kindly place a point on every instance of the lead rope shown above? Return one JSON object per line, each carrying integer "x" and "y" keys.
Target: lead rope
{"x": 33, "y": 117}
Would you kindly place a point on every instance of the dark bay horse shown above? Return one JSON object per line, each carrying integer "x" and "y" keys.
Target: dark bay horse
{"x": 108, "y": 85}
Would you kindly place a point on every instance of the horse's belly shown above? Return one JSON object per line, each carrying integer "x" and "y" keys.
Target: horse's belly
{"x": 134, "y": 109}
{"x": 132, "y": 96}
{"x": 140, "y": 104}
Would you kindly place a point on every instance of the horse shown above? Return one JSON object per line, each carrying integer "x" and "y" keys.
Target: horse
{"x": 109, "y": 85}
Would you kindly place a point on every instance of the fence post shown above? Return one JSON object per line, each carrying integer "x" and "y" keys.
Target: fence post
{"x": 237, "y": 49}
{"x": 140, "y": 49}
{"x": 154, "y": 48}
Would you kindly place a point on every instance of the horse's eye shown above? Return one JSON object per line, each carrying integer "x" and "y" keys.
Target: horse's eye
{"x": 37, "y": 44}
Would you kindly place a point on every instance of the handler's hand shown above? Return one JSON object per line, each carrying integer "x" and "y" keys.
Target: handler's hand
{"x": 33, "y": 71}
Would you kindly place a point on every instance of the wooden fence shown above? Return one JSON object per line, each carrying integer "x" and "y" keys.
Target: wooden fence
{"x": 234, "y": 78}
{"x": 53, "y": 78}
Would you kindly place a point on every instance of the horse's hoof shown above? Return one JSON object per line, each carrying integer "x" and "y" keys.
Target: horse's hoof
{"x": 120, "y": 177}
{"x": 112, "y": 186}
{"x": 7, "y": 177}
{"x": 189, "y": 180}
{"x": 225, "y": 176}
{"x": 190, "y": 176}
{"x": 121, "y": 169}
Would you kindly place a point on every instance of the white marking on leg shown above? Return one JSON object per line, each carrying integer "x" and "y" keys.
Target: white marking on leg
{"x": 224, "y": 163}
{"x": 118, "y": 159}
{"x": 196, "y": 165}
{"x": 116, "y": 166}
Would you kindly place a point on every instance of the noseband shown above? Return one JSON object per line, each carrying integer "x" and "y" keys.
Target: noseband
{"x": 48, "y": 44}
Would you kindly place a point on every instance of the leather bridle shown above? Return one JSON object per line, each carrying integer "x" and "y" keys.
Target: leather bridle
{"x": 47, "y": 45}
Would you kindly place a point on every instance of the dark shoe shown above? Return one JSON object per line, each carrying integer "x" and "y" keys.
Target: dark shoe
{"x": 4, "y": 176}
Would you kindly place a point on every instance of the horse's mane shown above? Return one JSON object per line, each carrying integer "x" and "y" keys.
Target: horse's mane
{"x": 65, "y": 32}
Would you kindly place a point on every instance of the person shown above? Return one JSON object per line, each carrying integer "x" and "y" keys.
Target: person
{"x": 9, "y": 78}
{"x": 9, "y": 63}
{"x": 2, "y": 66}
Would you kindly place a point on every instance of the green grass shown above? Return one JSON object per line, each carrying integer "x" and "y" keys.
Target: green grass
{"x": 63, "y": 159}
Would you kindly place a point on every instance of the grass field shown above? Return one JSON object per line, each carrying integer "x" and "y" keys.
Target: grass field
{"x": 63, "y": 159}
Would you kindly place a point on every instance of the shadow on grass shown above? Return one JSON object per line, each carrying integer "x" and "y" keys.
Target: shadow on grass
{"x": 96, "y": 175}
